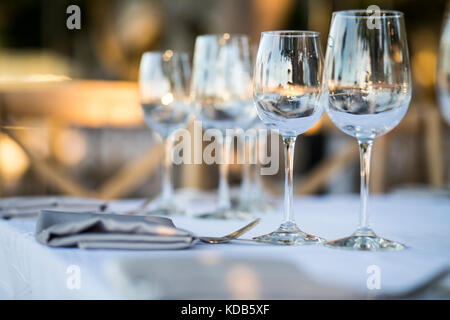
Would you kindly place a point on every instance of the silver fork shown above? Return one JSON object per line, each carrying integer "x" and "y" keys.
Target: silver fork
{"x": 231, "y": 236}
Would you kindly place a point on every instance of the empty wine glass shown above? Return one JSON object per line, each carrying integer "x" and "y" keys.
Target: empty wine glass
{"x": 287, "y": 87}
{"x": 443, "y": 69}
{"x": 252, "y": 197}
{"x": 164, "y": 94}
{"x": 367, "y": 90}
{"x": 221, "y": 92}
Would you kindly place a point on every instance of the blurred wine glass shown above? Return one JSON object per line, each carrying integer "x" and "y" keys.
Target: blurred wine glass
{"x": 221, "y": 92}
{"x": 164, "y": 94}
{"x": 367, "y": 91}
{"x": 252, "y": 196}
{"x": 443, "y": 68}
{"x": 287, "y": 86}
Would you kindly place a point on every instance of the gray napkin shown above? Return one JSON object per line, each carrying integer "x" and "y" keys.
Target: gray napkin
{"x": 21, "y": 207}
{"x": 109, "y": 231}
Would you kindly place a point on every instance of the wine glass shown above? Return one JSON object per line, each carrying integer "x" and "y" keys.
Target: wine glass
{"x": 287, "y": 91}
{"x": 247, "y": 150}
{"x": 367, "y": 90}
{"x": 164, "y": 95}
{"x": 443, "y": 69}
{"x": 221, "y": 92}
{"x": 252, "y": 197}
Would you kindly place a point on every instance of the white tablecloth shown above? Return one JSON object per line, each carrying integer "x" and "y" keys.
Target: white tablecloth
{"x": 29, "y": 270}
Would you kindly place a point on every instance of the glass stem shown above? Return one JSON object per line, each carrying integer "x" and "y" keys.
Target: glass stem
{"x": 256, "y": 180}
{"x": 289, "y": 144}
{"x": 365, "y": 152}
{"x": 224, "y": 188}
{"x": 256, "y": 176}
{"x": 167, "y": 185}
{"x": 247, "y": 186}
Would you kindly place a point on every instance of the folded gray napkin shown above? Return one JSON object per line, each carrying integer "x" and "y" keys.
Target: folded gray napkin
{"x": 109, "y": 231}
{"x": 15, "y": 207}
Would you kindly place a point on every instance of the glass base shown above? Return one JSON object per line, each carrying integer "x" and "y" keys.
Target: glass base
{"x": 163, "y": 208}
{"x": 257, "y": 207}
{"x": 164, "y": 212}
{"x": 365, "y": 240}
{"x": 226, "y": 214}
{"x": 289, "y": 234}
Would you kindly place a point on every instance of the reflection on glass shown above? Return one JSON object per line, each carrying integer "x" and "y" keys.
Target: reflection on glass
{"x": 287, "y": 90}
{"x": 252, "y": 196}
{"x": 443, "y": 69}
{"x": 164, "y": 93}
{"x": 222, "y": 95}
{"x": 367, "y": 90}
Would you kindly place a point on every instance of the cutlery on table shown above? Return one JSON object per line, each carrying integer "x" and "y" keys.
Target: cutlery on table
{"x": 231, "y": 236}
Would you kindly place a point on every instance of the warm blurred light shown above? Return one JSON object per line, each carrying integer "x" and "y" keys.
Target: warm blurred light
{"x": 32, "y": 78}
{"x": 164, "y": 230}
{"x": 295, "y": 90}
{"x": 35, "y": 136}
{"x": 424, "y": 64}
{"x": 13, "y": 161}
{"x": 138, "y": 24}
{"x": 69, "y": 147}
{"x": 243, "y": 283}
{"x": 271, "y": 14}
{"x": 78, "y": 103}
{"x": 167, "y": 99}
{"x": 315, "y": 128}
{"x": 210, "y": 258}
{"x": 398, "y": 55}
{"x": 32, "y": 66}
{"x": 234, "y": 165}
{"x": 168, "y": 54}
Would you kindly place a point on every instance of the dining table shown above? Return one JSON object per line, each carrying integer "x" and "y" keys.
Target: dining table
{"x": 242, "y": 268}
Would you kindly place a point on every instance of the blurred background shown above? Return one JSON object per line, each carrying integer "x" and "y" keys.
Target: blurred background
{"x": 71, "y": 121}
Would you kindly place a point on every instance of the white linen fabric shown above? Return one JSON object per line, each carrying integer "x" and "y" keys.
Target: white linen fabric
{"x": 29, "y": 270}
